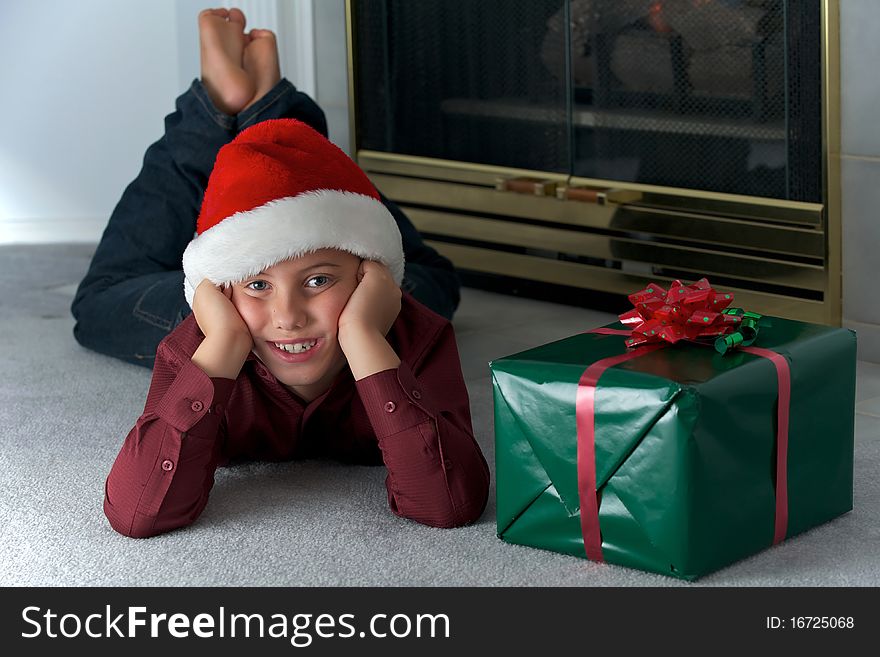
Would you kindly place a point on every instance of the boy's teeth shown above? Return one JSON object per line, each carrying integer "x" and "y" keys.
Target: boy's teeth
{"x": 296, "y": 348}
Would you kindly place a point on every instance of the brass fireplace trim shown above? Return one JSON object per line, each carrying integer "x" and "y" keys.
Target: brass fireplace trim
{"x": 831, "y": 158}
{"x": 484, "y": 175}
{"x": 351, "y": 45}
{"x": 793, "y": 247}
{"x": 608, "y": 280}
{"x": 783, "y": 238}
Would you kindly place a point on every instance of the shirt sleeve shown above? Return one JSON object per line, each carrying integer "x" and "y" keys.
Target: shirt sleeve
{"x": 437, "y": 474}
{"x": 165, "y": 470}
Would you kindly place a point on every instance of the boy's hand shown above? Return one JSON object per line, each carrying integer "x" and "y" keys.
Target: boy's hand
{"x": 227, "y": 340}
{"x": 214, "y": 312}
{"x": 375, "y": 303}
{"x": 366, "y": 320}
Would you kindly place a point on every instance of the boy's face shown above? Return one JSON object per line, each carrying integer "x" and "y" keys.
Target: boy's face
{"x": 298, "y": 302}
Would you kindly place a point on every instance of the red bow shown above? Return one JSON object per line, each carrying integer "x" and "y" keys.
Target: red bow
{"x": 685, "y": 312}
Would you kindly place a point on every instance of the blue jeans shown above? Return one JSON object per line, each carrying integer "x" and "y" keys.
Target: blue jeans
{"x": 132, "y": 295}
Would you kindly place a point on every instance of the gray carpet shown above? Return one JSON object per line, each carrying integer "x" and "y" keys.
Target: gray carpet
{"x": 64, "y": 412}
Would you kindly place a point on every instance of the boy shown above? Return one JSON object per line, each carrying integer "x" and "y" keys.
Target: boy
{"x": 300, "y": 344}
{"x": 131, "y": 296}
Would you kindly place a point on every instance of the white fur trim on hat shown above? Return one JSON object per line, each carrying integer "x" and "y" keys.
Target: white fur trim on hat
{"x": 247, "y": 243}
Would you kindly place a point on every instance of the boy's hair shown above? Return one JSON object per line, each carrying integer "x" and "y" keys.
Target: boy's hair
{"x": 280, "y": 190}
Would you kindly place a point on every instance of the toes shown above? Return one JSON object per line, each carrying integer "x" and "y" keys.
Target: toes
{"x": 261, "y": 62}
{"x": 222, "y": 13}
{"x": 236, "y": 15}
{"x": 262, "y": 34}
{"x": 261, "y": 52}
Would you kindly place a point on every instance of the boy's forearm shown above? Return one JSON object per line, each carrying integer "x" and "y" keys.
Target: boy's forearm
{"x": 367, "y": 352}
{"x": 222, "y": 356}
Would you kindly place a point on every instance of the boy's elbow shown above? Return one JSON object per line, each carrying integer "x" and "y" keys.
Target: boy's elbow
{"x": 464, "y": 510}
{"x": 455, "y": 517}
{"x": 125, "y": 524}
{"x": 131, "y": 523}
{"x": 121, "y": 518}
{"x": 470, "y": 494}
{"x": 470, "y": 512}
{"x": 453, "y": 520}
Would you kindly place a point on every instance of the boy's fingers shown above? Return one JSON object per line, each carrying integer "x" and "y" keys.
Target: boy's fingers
{"x": 374, "y": 264}
{"x": 225, "y": 290}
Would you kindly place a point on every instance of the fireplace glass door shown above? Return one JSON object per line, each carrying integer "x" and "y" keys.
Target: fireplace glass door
{"x": 600, "y": 145}
{"x": 714, "y": 95}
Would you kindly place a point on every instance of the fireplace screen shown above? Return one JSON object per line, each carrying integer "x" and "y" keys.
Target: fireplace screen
{"x": 714, "y": 95}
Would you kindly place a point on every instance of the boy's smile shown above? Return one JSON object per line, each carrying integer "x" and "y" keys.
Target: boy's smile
{"x": 296, "y": 351}
{"x": 292, "y": 310}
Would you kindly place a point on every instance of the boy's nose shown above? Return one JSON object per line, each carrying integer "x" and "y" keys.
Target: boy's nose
{"x": 288, "y": 315}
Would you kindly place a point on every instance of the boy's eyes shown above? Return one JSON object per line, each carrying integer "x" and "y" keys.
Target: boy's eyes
{"x": 312, "y": 282}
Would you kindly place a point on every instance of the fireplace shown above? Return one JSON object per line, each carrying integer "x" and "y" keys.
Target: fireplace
{"x": 603, "y": 144}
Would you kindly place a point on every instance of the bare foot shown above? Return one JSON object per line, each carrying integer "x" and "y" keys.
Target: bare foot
{"x": 261, "y": 62}
{"x": 222, "y": 44}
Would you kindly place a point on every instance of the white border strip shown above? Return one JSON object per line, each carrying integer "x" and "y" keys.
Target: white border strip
{"x": 50, "y": 231}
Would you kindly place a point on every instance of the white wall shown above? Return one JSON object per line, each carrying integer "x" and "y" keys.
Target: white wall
{"x": 85, "y": 87}
{"x": 331, "y": 68}
{"x": 87, "y": 84}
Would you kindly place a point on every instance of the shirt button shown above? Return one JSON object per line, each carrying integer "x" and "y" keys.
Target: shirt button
{"x": 167, "y": 465}
{"x": 197, "y": 406}
{"x": 416, "y": 394}
{"x": 390, "y": 406}
{"x": 447, "y": 464}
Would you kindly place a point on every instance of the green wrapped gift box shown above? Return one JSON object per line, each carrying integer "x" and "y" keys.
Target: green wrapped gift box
{"x": 685, "y": 445}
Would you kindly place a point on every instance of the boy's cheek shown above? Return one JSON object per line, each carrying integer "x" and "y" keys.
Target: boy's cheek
{"x": 246, "y": 310}
{"x": 343, "y": 301}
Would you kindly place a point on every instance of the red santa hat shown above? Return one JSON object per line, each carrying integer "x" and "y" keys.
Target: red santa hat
{"x": 280, "y": 190}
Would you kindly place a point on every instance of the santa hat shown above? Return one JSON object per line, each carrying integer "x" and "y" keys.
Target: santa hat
{"x": 280, "y": 190}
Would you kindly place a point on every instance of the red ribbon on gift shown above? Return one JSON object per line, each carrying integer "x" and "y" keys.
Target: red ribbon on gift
{"x": 690, "y": 317}
{"x": 684, "y": 312}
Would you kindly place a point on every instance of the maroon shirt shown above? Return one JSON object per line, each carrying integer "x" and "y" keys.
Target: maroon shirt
{"x": 415, "y": 419}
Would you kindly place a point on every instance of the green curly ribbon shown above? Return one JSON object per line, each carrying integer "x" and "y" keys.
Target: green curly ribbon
{"x": 744, "y": 336}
